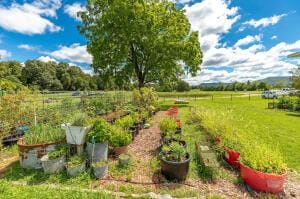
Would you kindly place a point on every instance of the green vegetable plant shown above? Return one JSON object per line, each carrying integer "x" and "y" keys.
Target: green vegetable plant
{"x": 59, "y": 151}
{"x": 101, "y": 132}
{"x": 42, "y": 134}
{"x": 135, "y": 117}
{"x": 125, "y": 122}
{"x": 174, "y": 152}
{"x": 75, "y": 160}
{"x": 119, "y": 137}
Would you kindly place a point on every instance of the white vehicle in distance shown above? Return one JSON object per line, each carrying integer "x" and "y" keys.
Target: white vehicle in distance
{"x": 269, "y": 95}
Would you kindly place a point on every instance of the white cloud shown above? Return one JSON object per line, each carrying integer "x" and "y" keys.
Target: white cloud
{"x": 47, "y": 59}
{"x": 30, "y": 18}
{"x": 248, "y": 40}
{"x": 74, "y": 53}
{"x": 73, "y": 9}
{"x": 263, "y": 22}
{"x": 4, "y": 54}
{"x": 213, "y": 19}
{"x": 26, "y": 47}
{"x": 274, "y": 37}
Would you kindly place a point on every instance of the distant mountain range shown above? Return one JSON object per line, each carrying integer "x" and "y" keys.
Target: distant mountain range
{"x": 269, "y": 80}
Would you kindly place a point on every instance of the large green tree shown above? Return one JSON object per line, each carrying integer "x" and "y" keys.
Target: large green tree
{"x": 296, "y": 78}
{"x": 142, "y": 41}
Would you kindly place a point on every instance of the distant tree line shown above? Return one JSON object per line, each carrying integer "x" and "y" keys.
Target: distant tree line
{"x": 241, "y": 86}
{"x": 45, "y": 76}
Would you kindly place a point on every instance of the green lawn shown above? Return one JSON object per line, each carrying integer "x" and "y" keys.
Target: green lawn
{"x": 274, "y": 127}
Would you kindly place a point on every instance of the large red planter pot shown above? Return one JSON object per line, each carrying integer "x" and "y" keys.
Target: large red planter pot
{"x": 232, "y": 157}
{"x": 259, "y": 181}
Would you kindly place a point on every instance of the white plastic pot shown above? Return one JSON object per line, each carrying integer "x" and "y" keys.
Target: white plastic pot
{"x": 100, "y": 172}
{"x": 53, "y": 166}
{"x": 73, "y": 171}
{"x": 75, "y": 134}
{"x": 97, "y": 151}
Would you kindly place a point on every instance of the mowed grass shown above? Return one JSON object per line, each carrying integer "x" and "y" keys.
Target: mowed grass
{"x": 275, "y": 127}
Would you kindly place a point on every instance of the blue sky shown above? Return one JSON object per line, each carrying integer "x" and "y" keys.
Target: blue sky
{"x": 241, "y": 39}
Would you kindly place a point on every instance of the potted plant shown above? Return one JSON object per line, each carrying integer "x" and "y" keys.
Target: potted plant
{"x": 36, "y": 143}
{"x": 54, "y": 161}
{"x": 77, "y": 130}
{"x": 119, "y": 140}
{"x": 97, "y": 140}
{"x": 124, "y": 159}
{"x": 167, "y": 126}
{"x": 262, "y": 168}
{"x": 100, "y": 168}
{"x": 76, "y": 164}
{"x": 127, "y": 124}
{"x": 174, "y": 160}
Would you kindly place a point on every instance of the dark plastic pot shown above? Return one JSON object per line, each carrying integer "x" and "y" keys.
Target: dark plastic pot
{"x": 265, "y": 182}
{"x": 175, "y": 170}
{"x": 232, "y": 157}
{"x": 181, "y": 142}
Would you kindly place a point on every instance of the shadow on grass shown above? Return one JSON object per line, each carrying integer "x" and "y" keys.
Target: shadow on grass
{"x": 293, "y": 114}
{"x": 34, "y": 177}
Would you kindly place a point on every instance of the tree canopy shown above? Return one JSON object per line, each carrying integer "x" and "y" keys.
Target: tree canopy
{"x": 141, "y": 41}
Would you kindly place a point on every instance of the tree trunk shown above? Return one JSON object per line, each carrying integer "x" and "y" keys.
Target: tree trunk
{"x": 137, "y": 68}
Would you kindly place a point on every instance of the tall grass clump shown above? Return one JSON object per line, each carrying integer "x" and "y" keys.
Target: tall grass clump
{"x": 42, "y": 134}
{"x": 254, "y": 153}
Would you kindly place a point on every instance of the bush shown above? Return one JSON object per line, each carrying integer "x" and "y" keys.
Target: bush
{"x": 119, "y": 137}
{"x": 101, "y": 132}
{"x": 168, "y": 125}
{"x": 125, "y": 123}
{"x": 297, "y": 105}
{"x": 145, "y": 98}
{"x": 285, "y": 103}
{"x": 43, "y": 134}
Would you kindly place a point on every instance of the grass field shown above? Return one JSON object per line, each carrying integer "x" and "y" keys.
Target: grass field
{"x": 274, "y": 127}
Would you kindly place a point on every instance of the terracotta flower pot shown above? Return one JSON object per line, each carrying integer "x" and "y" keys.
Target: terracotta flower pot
{"x": 232, "y": 157}
{"x": 119, "y": 150}
{"x": 265, "y": 182}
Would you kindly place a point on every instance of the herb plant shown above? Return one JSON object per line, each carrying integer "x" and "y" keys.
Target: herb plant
{"x": 174, "y": 152}
{"x": 168, "y": 125}
{"x": 119, "y": 137}
{"x": 75, "y": 160}
{"x": 125, "y": 122}
{"x": 101, "y": 132}
{"x": 59, "y": 151}
{"x": 80, "y": 119}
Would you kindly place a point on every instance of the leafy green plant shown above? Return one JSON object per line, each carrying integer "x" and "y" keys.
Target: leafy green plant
{"x": 80, "y": 119}
{"x": 125, "y": 122}
{"x": 135, "y": 117}
{"x": 100, "y": 163}
{"x": 101, "y": 132}
{"x": 174, "y": 152}
{"x": 75, "y": 160}
{"x": 145, "y": 98}
{"x": 119, "y": 137}
{"x": 42, "y": 134}
{"x": 59, "y": 151}
{"x": 168, "y": 125}
{"x": 262, "y": 157}
{"x": 285, "y": 103}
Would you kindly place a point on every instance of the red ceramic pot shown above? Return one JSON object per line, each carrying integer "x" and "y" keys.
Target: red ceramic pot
{"x": 232, "y": 157}
{"x": 265, "y": 182}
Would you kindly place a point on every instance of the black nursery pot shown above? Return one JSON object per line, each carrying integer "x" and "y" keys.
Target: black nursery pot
{"x": 178, "y": 131}
{"x": 175, "y": 170}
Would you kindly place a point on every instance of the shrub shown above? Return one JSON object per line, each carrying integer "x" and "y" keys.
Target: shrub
{"x": 285, "y": 103}
{"x": 145, "y": 98}
{"x": 42, "y": 134}
{"x": 101, "y": 132}
{"x": 174, "y": 152}
{"x": 297, "y": 105}
{"x": 119, "y": 137}
{"x": 125, "y": 122}
{"x": 168, "y": 125}
{"x": 135, "y": 117}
